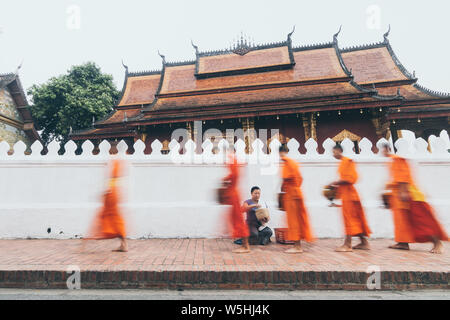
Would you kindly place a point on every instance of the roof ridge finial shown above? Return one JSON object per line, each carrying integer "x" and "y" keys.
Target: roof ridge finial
{"x": 125, "y": 66}
{"x": 163, "y": 57}
{"x": 195, "y": 47}
{"x": 385, "y": 36}
{"x": 337, "y": 33}
{"x": 290, "y": 34}
{"x": 18, "y": 68}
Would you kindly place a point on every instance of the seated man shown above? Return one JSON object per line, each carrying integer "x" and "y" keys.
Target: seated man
{"x": 259, "y": 232}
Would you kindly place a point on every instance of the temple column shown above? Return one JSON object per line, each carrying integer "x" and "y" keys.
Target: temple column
{"x": 143, "y": 137}
{"x": 306, "y": 126}
{"x": 381, "y": 126}
{"x": 190, "y": 132}
{"x": 248, "y": 125}
{"x": 309, "y": 125}
{"x": 313, "y": 123}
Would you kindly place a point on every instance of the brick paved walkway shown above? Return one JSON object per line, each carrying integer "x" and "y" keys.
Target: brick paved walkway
{"x": 209, "y": 263}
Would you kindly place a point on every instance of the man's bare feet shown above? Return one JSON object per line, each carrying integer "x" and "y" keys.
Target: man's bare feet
{"x": 344, "y": 248}
{"x": 400, "y": 246}
{"x": 438, "y": 247}
{"x": 363, "y": 245}
{"x": 294, "y": 250}
{"x": 241, "y": 250}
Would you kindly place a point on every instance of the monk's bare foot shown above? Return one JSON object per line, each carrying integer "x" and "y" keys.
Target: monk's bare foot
{"x": 241, "y": 250}
{"x": 344, "y": 248}
{"x": 438, "y": 248}
{"x": 294, "y": 250}
{"x": 362, "y": 246}
{"x": 400, "y": 246}
{"x": 122, "y": 248}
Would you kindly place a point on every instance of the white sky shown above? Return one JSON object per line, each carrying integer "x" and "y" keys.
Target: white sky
{"x": 41, "y": 33}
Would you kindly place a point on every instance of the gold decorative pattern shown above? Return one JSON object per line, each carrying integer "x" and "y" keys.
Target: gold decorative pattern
{"x": 346, "y": 134}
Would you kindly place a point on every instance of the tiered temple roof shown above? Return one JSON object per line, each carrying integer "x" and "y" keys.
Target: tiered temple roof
{"x": 258, "y": 80}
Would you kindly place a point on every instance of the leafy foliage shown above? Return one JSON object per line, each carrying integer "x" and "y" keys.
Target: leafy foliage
{"x": 72, "y": 101}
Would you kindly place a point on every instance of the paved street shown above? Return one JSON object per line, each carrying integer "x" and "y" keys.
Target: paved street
{"x": 213, "y": 255}
{"x": 210, "y": 264}
{"x": 26, "y": 294}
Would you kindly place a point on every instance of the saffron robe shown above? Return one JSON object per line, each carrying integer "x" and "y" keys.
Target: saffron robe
{"x": 355, "y": 222}
{"x": 109, "y": 222}
{"x": 237, "y": 223}
{"x": 299, "y": 227}
{"x": 414, "y": 219}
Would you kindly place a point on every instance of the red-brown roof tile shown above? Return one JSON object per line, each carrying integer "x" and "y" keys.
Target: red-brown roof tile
{"x": 119, "y": 115}
{"x": 250, "y": 96}
{"x": 253, "y": 59}
{"x": 140, "y": 90}
{"x": 372, "y": 65}
{"x": 310, "y": 65}
{"x": 409, "y": 91}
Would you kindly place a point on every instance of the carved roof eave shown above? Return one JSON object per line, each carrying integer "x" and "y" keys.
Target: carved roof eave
{"x": 12, "y": 81}
{"x": 105, "y": 117}
{"x": 192, "y": 116}
{"x": 397, "y": 62}
{"x": 313, "y": 46}
{"x": 420, "y": 109}
{"x": 6, "y": 79}
{"x": 125, "y": 130}
{"x": 251, "y": 48}
{"x": 430, "y": 92}
{"x": 354, "y": 97}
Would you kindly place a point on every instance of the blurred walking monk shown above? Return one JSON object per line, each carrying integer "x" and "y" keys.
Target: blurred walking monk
{"x": 297, "y": 218}
{"x": 236, "y": 215}
{"x": 109, "y": 222}
{"x": 414, "y": 220}
{"x": 354, "y": 219}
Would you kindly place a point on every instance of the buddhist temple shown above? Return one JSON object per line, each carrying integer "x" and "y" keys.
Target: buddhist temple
{"x": 308, "y": 91}
{"x": 16, "y": 122}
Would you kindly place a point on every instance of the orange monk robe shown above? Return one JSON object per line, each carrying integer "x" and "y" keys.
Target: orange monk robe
{"x": 414, "y": 220}
{"x": 109, "y": 222}
{"x": 355, "y": 222}
{"x": 299, "y": 227}
{"x": 237, "y": 223}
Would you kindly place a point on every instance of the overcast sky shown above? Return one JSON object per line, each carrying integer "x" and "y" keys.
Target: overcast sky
{"x": 50, "y": 36}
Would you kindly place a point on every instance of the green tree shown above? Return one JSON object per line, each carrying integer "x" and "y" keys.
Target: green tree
{"x": 72, "y": 100}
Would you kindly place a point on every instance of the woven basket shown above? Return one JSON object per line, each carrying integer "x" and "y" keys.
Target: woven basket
{"x": 329, "y": 192}
{"x": 281, "y": 235}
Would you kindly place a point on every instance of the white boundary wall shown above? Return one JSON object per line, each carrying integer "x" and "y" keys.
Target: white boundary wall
{"x": 173, "y": 195}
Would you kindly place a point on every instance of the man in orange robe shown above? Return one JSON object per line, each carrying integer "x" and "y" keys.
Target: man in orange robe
{"x": 237, "y": 223}
{"x": 414, "y": 220}
{"x": 109, "y": 222}
{"x": 297, "y": 218}
{"x": 354, "y": 219}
